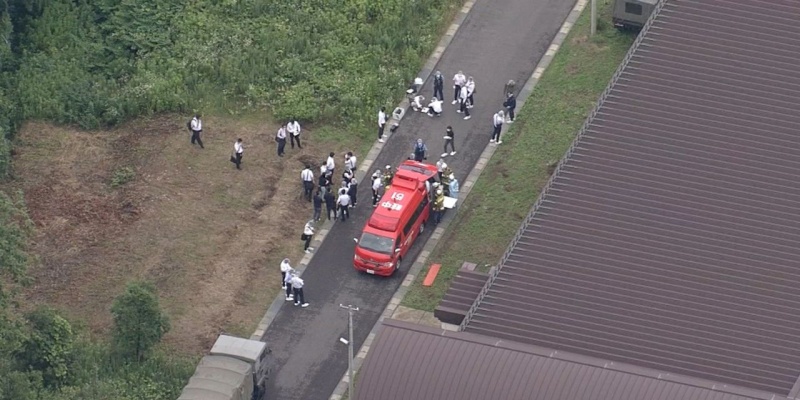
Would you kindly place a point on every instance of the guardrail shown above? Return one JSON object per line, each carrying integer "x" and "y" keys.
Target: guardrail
{"x": 559, "y": 167}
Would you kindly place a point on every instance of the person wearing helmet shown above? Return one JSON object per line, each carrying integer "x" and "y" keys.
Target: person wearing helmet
{"x": 388, "y": 174}
{"x": 438, "y": 205}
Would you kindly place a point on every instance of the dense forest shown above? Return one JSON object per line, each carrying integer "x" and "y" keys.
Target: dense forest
{"x": 97, "y": 63}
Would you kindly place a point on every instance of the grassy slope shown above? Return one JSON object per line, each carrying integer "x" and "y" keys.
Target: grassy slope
{"x": 505, "y": 192}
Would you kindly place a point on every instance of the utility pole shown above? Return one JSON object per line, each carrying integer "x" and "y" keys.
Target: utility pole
{"x": 594, "y": 17}
{"x": 350, "y": 391}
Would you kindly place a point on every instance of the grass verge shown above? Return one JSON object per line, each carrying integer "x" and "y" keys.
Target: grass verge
{"x": 545, "y": 127}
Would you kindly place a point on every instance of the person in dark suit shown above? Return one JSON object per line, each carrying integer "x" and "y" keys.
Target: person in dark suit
{"x": 438, "y": 85}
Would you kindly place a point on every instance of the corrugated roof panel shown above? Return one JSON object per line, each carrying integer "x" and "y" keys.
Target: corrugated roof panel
{"x": 669, "y": 237}
{"x": 444, "y": 365}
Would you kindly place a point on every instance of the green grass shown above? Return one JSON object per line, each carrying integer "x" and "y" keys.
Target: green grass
{"x": 545, "y": 127}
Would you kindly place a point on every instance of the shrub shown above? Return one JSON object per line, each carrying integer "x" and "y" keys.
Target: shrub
{"x": 139, "y": 322}
{"x": 121, "y": 176}
{"x": 48, "y": 348}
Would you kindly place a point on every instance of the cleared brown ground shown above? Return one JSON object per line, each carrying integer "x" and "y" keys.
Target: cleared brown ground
{"x": 208, "y": 236}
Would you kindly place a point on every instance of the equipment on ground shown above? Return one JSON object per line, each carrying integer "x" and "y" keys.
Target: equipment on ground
{"x": 632, "y": 14}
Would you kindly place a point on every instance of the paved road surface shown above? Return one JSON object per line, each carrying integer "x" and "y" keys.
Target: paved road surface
{"x": 498, "y": 41}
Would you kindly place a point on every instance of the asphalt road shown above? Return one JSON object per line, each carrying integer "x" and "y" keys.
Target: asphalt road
{"x": 498, "y": 41}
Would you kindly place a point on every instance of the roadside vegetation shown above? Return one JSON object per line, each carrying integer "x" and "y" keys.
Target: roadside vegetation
{"x": 544, "y": 129}
{"x": 110, "y": 227}
{"x": 43, "y": 356}
{"x": 96, "y": 63}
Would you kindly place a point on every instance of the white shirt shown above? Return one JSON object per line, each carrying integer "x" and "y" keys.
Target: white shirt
{"x": 381, "y": 118}
{"x": 308, "y": 229}
{"x": 285, "y": 267}
{"x": 418, "y": 102}
{"x": 197, "y": 124}
{"x": 282, "y": 133}
{"x": 439, "y": 165}
{"x": 330, "y": 164}
{"x": 307, "y": 175}
{"x": 297, "y": 282}
{"x": 470, "y": 87}
{"x": 376, "y": 183}
{"x": 238, "y": 148}
{"x": 498, "y": 120}
{"x": 464, "y": 94}
{"x": 350, "y": 163}
{"x": 293, "y": 128}
{"x": 344, "y": 200}
{"x": 436, "y": 106}
{"x": 288, "y": 279}
{"x": 459, "y": 79}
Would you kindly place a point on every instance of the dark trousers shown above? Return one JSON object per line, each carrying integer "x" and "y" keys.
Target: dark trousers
{"x": 317, "y": 212}
{"x": 464, "y": 108}
{"x": 308, "y": 187}
{"x": 511, "y": 114}
{"x": 308, "y": 242}
{"x": 456, "y": 92}
{"x": 238, "y": 159}
{"x": 437, "y": 216}
{"x": 298, "y": 296}
{"x": 330, "y": 210}
{"x": 353, "y": 193}
{"x": 496, "y": 133}
{"x": 438, "y": 92}
{"x": 449, "y": 143}
{"x": 281, "y": 147}
{"x": 376, "y": 196}
{"x": 471, "y": 99}
{"x": 380, "y": 131}
{"x": 283, "y": 279}
{"x": 288, "y": 289}
{"x": 196, "y": 138}
{"x": 345, "y": 211}
{"x": 297, "y": 138}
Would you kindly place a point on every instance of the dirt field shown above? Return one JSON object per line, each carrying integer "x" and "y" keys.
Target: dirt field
{"x": 210, "y": 237}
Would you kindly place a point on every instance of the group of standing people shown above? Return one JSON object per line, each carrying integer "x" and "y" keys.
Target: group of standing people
{"x": 292, "y": 130}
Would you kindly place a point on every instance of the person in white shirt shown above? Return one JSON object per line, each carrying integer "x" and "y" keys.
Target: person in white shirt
{"x": 377, "y": 184}
{"x": 238, "y": 150}
{"x": 497, "y": 122}
{"x": 286, "y": 269}
{"x": 464, "y": 99}
{"x": 307, "y": 176}
{"x": 297, "y": 285}
{"x": 308, "y": 233}
{"x": 196, "y": 126}
{"x": 330, "y": 164}
{"x": 435, "y": 107}
{"x": 416, "y": 105}
{"x": 470, "y": 91}
{"x": 381, "y": 123}
{"x": 293, "y": 127}
{"x": 344, "y": 204}
{"x": 280, "y": 137}
{"x": 350, "y": 161}
{"x": 458, "y": 82}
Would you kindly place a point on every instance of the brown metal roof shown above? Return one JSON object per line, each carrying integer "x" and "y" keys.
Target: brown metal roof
{"x": 669, "y": 237}
{"x": 409, "y": 361}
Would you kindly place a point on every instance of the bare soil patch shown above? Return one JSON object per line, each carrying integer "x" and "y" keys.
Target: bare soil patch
{"x": 210, "y": 237}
